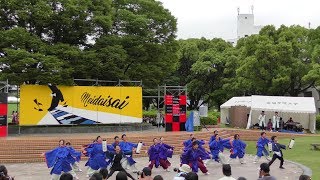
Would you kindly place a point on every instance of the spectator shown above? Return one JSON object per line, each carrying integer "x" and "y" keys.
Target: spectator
{"x": 66, "y": 176}
{"x": 96, "y": 176}
{"x": 304, "y": 177}
{"x": 192, "y": 176}
{"x": 264, "y": 173}
{"x": 226, "y": 170}
{"x": 242, "y": 178}
{"x": 182, "y": 172}
{"x": 158, "y": 177}
{"x": 146, "y": 174}
{"x": 4, "y": 173}
{"x": 104, "y": 173}
{"x": 121, "y": 176}
{"x": 269, "y": 125}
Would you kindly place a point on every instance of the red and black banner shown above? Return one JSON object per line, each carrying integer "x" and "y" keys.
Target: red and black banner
{"x": 3, "y": 114}
{"x": 176, "y": 112}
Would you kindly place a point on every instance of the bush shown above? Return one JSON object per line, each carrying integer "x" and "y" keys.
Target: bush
{"x": 208, "y": 121}
{"x": 318, "y": 122}
{"x": 197, "y": 128}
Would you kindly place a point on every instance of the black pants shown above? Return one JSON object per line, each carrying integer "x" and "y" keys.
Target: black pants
{"x": 112, "y": 170}
{"x": 274, "y": 157}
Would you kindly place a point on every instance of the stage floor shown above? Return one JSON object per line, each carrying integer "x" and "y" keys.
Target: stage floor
{"x": 39, "y": 171}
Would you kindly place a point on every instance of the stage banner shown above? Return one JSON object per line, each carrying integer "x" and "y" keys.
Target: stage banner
{"x": 3, "y": 114}
{"x": 175, "y": 109}
{"x": 54, "y": 105}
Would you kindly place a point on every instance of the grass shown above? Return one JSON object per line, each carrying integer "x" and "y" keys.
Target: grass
{"x": 301, "y": 153}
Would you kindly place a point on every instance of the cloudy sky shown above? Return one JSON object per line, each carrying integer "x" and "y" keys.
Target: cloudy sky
{"x": 218, "y": 18}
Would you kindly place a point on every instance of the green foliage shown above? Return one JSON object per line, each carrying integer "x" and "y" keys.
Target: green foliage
{"x": 201, "y": 68}
{"x": 49, "y": 41}
{"x": 208, "y": 121}
{"x": 318, "y": 122}
{"x": 151, "y": 113}
{"x": 274, "y": 62}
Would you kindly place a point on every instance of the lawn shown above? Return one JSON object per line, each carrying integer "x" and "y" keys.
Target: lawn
{"x": 300, "y": 153}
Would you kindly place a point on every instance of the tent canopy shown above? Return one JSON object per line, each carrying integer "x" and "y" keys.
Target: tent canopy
{"x": 237, "y": 101}
{"x": 283, "y": 104}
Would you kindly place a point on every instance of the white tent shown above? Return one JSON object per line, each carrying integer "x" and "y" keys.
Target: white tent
{"x": 301, "y": 109}
{"x": 235, "y": 101}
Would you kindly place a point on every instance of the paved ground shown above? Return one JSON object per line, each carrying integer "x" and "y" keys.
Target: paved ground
{"x": 39, "y": 171}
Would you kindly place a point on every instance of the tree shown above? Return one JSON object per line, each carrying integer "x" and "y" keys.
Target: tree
{"x": 23, "y": 60}
{"x": 111, "y": 40}
{"x": 275, "y": 62}
{"x": 201, "y": 68}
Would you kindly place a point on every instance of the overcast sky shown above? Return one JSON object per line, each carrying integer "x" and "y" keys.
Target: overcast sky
{"x": 218, "y": 18}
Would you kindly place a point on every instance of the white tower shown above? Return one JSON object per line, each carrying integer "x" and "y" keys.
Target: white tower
{"x": 245, "y": 25}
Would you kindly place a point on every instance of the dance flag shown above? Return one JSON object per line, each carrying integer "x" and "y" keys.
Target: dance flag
{"x": 189, "y": 123}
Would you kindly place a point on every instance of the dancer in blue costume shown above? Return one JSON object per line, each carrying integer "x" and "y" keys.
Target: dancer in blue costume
{"x": 213, "y": 138}
{"x": 261, "y": 150}
{"x": 218, "y": 146}
{"x": 60, "y": 159}
{"x": 238, "y": 149}
{"x": 127, "y": 149}
{"x": 154, "y": 155}
{"x": 166, "y": 151}
{"x": 188, "y": 142}
{"x": 193, "y": 157}
{"x": 77, "y": 157}
{"x": 97, "y": 158}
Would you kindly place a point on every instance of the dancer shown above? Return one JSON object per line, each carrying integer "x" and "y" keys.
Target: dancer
{"x": 76, "y": 156}
{"x": 262, "y": 120}
{"x": 116, "y": 141}
{"x": 60, "y": 159}
{"x": 166, "y": 151}
{"x": 217, "y": 146}
{"x": 193, "y": 157}
{"x": 97, "y": 158}
{"x": 261, "y": 150}
{"x": 127, "y": 149}
{"x": 213, "y": 137}
{"x": 116, "y": 163}
{"x": 154, "y": 155}
{"x": 189, "y": 141}
{"x": 277, "y": 152}
{"x": 238, "y": 149}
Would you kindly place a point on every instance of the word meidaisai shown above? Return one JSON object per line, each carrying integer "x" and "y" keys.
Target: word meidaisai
{"x": 87, "y": 99}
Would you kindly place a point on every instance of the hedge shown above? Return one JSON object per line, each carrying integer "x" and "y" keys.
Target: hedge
{"x": 208, "y": 121}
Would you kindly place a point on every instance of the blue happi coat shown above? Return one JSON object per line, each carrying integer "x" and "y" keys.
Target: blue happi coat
{"x": 97, "y": 158}
{"x": 218, "y": 146}
{"x": 261, "y": 150}
{"x": 200, "y": 146}
{"x": 153, "y": 153}
{"x": 192, "y": 157}
{"x": 165, "y": 151}
{"x": 75, "y": 154}
{"x": 59, "y": 159}
{"x": 238, "y": 149}
{"x": 126, "y": 148}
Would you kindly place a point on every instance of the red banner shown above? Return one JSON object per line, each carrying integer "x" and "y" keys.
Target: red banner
{"x": 175, "y": 109}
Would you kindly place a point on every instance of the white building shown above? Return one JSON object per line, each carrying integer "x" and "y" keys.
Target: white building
{"x": 245, "y": 27}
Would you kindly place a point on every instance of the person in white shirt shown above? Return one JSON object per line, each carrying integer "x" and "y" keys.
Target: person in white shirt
{"x": 226, "y": 170}
{"x": 262, "y": 120}
{"x": 276, "y": 121}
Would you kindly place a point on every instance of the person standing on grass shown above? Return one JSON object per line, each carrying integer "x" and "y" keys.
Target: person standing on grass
{"x": 277, "y": 152}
